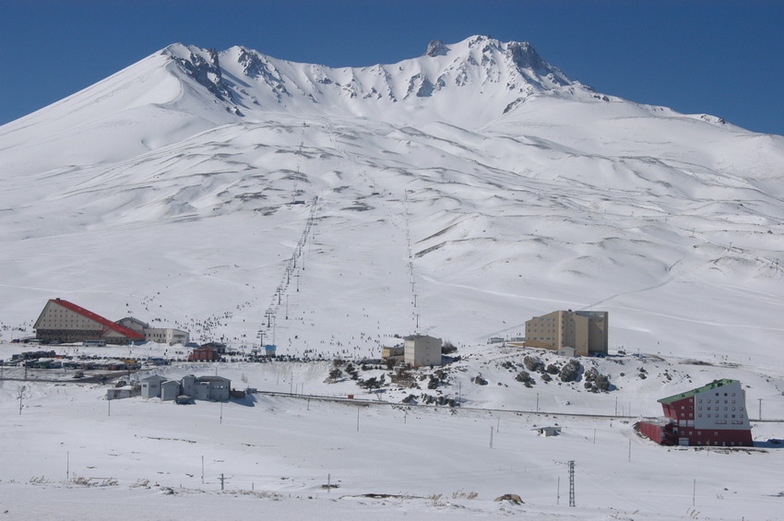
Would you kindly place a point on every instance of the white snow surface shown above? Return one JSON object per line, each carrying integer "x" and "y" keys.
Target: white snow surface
{"x": 457, "y": 194}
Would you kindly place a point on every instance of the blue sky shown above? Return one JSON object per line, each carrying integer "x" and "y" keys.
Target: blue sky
{"x": 722, "y": 57}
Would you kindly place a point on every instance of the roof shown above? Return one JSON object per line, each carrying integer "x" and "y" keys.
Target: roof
{"x": 212, "y": 379}
{"x": 130, "y": 333}
{"x": 134, "y": 321}
{"x": 688, "y": 394}
{"x": 154, "y": 378}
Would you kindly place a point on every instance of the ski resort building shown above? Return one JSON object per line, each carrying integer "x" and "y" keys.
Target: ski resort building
{"x": 63, "y": 321}
{"x": 585, "y": 331}
{"x": 422, "y": 350}
{"x": 714, "y": 414}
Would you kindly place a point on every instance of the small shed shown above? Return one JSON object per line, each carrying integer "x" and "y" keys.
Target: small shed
{"x": 567, "y": 351}
{"x": 151, "y": 386}
{"x": 548, "y": 431}
{"x": 115, "y": 393}
{"x": 170, "y": 389}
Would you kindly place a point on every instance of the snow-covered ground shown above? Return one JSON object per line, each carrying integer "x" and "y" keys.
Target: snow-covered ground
{"x": 70, "y": 448}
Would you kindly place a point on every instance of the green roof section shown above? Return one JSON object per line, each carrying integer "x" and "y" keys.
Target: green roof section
{"x": 688, "y": 394}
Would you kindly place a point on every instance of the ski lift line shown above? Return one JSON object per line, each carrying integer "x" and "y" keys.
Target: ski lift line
{"x": 276, "y": 300}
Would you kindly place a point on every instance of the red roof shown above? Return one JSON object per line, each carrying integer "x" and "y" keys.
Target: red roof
{"x": 130, "y": 333}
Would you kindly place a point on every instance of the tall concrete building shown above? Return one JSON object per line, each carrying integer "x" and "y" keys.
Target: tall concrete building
{"x": 585, "y": 331}
{"x": 422, "y": 350}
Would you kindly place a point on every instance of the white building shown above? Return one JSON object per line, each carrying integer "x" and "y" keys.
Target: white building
{"x": 151, "y": 386}
{"x": 213, "y": 388}
{"x": 166, "y": 335}
{"x": 422, "y": 350}
{"x": 161, "y": 335}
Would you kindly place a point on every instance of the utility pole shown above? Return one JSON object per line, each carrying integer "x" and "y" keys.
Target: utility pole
{"x": 760, "y": 408}
{"x": 571, "y": 483}
{"x": 222, "y": 479}
{"x": 21, "y": 396}
{"x": 694, "y": 492}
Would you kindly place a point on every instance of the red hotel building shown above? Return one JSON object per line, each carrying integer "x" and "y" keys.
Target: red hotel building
{"x": 714, "y": 414}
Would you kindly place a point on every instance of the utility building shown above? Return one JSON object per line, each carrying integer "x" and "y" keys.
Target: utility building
{"x": 585, "y": 331}
{"x": 214, "y": 388}
{"x": 714, "y": 414}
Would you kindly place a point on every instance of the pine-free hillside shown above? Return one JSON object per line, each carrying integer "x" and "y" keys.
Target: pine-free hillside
{"x": 457, "y": 194}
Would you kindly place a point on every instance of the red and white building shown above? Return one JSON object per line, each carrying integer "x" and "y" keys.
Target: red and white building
{"x": 65, "y": 322}
{"x": 712, "y": 415}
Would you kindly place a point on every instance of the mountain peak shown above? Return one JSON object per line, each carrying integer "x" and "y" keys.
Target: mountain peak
{"x": 436, "y": 48}
{"x": 245, "y": 82}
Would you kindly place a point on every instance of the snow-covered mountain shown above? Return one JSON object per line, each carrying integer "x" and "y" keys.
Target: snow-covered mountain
{"x": 458, "y": 193}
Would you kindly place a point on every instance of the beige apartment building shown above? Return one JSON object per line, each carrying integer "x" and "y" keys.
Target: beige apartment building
{"x": 585, "y": 331}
